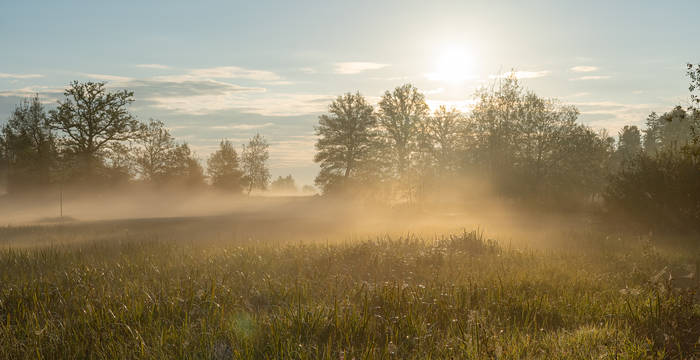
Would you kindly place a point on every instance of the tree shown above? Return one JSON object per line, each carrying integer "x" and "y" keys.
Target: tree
{"x": 254, "y": 158}
{"x": 444, "y": 131}
{"x": 119, "y": 165}
{"x": 223, "y": 168}
{"x": 29, "y": 146}
{"x": 401, "y": 114}
{"x": 671, "y": 132}
{"x": 90, "y": 118}
{"x": 532, "y": 147}
{"x": 184, "y": 167}
{"x": 284, "y": 185}
{"x": 345, "y": 139}
{"x": 629, "y": 144}
{"x": 694, "y": 87}
{"x": 154, "y": 151}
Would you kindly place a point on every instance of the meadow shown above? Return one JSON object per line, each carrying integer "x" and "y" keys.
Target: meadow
{"x": 193, "y": 288}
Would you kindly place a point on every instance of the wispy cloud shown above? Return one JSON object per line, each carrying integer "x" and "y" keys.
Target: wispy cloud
{"x": 19, "y": 76}
{"x": 307, "y": 70}
{"x": 241, "y": 126}
{"x": 584, "y": 68}
{"x": 46, "y": 94}
{"x": 153, "y": 66}
{"x": 105, "y": 77}
{"x": 234, "y": 72}
{"x": 522, "y": 74}
{"x": 244, "y": 100}
{"x": 591, "y": 77}
{"x": 613, "y": 115}
{"x": 356, "y": 67}
{"x": 293, "y": 152}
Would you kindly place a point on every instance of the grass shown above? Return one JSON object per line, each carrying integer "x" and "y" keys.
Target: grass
{"x": 149, "y": 295}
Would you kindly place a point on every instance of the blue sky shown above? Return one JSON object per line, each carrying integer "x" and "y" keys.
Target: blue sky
{"x": 229, "y": 69}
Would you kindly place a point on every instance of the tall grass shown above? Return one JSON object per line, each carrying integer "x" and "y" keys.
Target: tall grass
{"x": 141, "y": 295}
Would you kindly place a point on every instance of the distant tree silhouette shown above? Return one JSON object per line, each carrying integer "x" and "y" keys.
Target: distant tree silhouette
{"x": 184, "y": 168}
{"x": 224, "y": 169}
{"x": 284, "y": 185}
{"x": 532, "y": 147}
{"x": 346, "y": 135}
{"x": 629, "y": 146}
{"x": 154, "y": 151}
{"x": 694, "y": 87}
{"x": 671, "y": 131}
{"x": 444, "y": 131}
{"x": 29, "y": 149}
{"x": 90, "y": 118}
{"x": 308, "y": 189}
{"x": 254, "y": 159}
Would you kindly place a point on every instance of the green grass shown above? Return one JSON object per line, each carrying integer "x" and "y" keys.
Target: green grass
{"x": 144, "y": 294}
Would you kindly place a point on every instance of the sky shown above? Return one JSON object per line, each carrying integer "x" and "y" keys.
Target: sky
{"x": 227, "y": 70}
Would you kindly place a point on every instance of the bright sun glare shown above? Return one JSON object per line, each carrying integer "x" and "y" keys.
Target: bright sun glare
{"x": 454, "y": 65}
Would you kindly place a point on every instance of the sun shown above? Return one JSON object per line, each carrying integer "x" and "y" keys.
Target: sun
{"x": 454, "y": 65}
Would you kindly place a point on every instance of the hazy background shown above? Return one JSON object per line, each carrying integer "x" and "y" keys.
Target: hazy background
{"x": 229, "y": 69}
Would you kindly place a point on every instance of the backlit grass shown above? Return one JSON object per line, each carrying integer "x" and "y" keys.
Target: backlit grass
{"x": 141, "y": 295}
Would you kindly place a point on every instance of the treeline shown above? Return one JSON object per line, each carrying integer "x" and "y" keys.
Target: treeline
{"x": 526, "y": 148}
{"x": 91, "y": 139}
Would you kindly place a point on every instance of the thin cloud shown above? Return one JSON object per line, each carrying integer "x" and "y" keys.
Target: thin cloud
{"x": 522, "y": 74}
{"x": 584, "y": 68}
{"x": 245, "y": 102}
{"x": 241, "y": 126}
{"x": 19, "y": 76}
{"x": 47, "y": 94}
{"x": 591, "y": 77}
{"x": 307, "y": 70}
{"x": 346, "y": 68}
{"x": 105, "y": 77}
{"x": 234, "y": 72}
{"x": 153, "y": 66}
{"x": 613, "y": 115}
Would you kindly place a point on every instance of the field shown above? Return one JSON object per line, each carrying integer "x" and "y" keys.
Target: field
{"x": 212, "y": 288}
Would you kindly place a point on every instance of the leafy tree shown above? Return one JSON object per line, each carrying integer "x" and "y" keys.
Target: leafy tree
{"x": 494, "y": 117}
{"x": 154, "y": 151}
{"x": 91, "y": 118}
{"x": 345, "y": 139}
{"x": 184, "y": 167}
{"x": 224, "y": 169}
{"x": 401, "y": 115}
{"x": 629, "y": 145}
{"x": 694, "y": 87}
{"x": 119, "y": 165}
{"x": 29, "y": 146}
{"x": 284, "y": 185}
{"x": 444, "y": 136}
{"x": 254, "y": 158}
{"x": 532, "y": 147}
{"x": 671, "y": 132}
{"x": 660, "y": 193}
